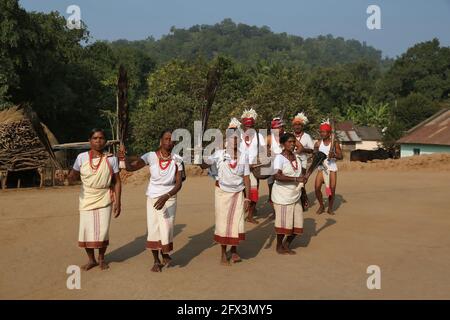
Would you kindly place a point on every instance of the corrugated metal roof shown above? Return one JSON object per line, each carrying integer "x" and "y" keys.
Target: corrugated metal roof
{"x": 346, "y": 125}
{"x": 347, "y": 136}
{"x": 434, "y": 130}
{"x": 348, "y": 131}
{"x": 369, "y": 133}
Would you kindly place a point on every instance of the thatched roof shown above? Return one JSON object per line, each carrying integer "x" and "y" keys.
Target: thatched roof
{"x": 25, "y": 143}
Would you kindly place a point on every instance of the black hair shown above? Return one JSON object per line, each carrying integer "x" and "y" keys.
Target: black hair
{"x": 285, "y": 137}
{"x": 94, "y": 131}
{"x": 161, "y": 135}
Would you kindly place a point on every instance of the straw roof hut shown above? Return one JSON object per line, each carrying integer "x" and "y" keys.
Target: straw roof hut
{"x": 25, "y": 142}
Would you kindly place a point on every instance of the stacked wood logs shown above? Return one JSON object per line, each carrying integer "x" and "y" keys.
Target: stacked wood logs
{"x": 20, "y": 147}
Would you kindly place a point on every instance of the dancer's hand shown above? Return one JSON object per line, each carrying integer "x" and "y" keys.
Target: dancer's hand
{"x": 159, "y": 204}
{"x": 298, "y": 147}
{"x": 300, "y": 179}
{"x": 116, "y": 208}
{"x": 122, "y": 152}
{"x": 246, "y": 204}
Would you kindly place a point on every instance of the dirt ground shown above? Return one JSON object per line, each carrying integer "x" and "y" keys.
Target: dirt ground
{"x": 396, "y": 219}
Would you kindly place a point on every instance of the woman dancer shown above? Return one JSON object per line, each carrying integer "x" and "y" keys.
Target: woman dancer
{"x": 286, "y": 195}
{"x": 100, "y": 194}
{"x": 230, "y": 205}
{"x": 165, "y": 182}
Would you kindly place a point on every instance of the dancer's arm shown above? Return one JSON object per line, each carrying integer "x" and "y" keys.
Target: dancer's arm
{"x": 133, "y": 165}
{"x": 247, "y": 200}
{"x": 281, "y": 177}
{"x": 117, "y": 195}
{"x": 162, "y": 200}
{"x": 337, "y": 154}
{"x": 73, "y": 176}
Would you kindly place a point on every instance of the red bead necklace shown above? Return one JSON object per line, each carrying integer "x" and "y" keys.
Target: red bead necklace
{"x": 162, "y": 159}
{"x": 294, "y": 166}
{"x": 232, "y": 164}
{"x": 247, "y": 141}
{"x": 294, "y": 163}
{"x": 91, "y": 163}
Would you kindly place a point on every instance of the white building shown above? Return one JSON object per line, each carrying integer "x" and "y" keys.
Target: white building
{"x": 429, "y": 136}
{"x": 354, "y": 137}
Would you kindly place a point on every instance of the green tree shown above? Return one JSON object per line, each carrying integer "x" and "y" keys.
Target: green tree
{"x": 342, "y": 85}
{"x": 174, "y": 98}
{"x": 280, "y": 91}
{"x": 424, "y": 69}
{"x": 369, "y": 114}
{"x": 413, "y": 109}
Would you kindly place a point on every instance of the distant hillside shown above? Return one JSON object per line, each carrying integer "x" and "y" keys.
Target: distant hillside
{"x": 248, "y": 44}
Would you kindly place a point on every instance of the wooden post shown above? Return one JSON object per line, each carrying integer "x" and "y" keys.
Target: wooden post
{"x": 122, "y": 109}
{"x": 3, "y": 178}
{"x": 41, "y": 176}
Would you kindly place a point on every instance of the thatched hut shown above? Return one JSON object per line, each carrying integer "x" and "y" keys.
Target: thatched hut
{"x": 26, "y": 155}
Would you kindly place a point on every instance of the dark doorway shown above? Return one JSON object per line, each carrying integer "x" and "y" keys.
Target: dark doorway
{"x": 28, "y": 178}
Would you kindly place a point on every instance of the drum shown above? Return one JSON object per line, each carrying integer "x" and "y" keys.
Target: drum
{"x": 257, "y": 169}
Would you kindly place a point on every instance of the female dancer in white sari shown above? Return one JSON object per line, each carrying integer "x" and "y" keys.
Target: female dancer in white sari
{"x": 100, "y": 194}
{"x": 286, "y": 195}
{"x": 230, "y": 203}
{"x": 165, "y": 182}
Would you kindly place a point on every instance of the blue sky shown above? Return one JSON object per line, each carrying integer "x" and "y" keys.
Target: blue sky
{"x": 403, "y": 22}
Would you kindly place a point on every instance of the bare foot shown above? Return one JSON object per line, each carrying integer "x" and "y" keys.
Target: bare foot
{"x": 224, "y": 261}
{"x": 157, "y": 267}
{"x": 251, "y": 220}
{"x": 103, "y": 265}
{"x": 235, "y": 258}
{"x": 290, "y": 251}
{"x": 320, "y": 210}
{"x": 330, "y": 212}
{"x": 282, "y": 251}
{"x": 89, "y": 265}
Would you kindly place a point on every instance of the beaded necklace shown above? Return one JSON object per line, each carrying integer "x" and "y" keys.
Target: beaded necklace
{"x": 91, "y": 163}
{"x": 163, "y": 167}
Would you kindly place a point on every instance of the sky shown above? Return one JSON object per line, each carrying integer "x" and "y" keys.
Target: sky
{"x": 403, "y": 22}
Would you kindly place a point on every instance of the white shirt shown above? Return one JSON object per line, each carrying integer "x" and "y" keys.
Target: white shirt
{"x": 329, "y": 163}
{"x": 84, "y": 156}
{"x": 307, "y": 143}
{"x": 162, "y": 180}
{"x": 252, "y": 148}
{"x": 230, "y": 179}
{"x": 275, "y": 146}
{"x": 286, "y": 192}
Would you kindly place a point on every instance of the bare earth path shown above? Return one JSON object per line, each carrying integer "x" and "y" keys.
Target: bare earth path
{"x": 399, "y": 221}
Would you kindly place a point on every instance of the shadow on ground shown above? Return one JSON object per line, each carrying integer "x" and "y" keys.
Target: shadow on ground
{"x": 135, "y": 247}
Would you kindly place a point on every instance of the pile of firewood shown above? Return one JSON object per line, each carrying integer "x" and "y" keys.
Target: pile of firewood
{"x": 20, "y": 147}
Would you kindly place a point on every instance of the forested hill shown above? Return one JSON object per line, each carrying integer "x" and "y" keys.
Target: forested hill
{"x": 71, "y": 82}
{"x": 249, "y": 44}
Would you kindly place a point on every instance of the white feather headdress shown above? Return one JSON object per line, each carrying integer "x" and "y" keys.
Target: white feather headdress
{"x": 302, "y": 117}
{"x": 234, "y": 124}
{"x": 325, "y": 121}
{"x": 249, "y": 113}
